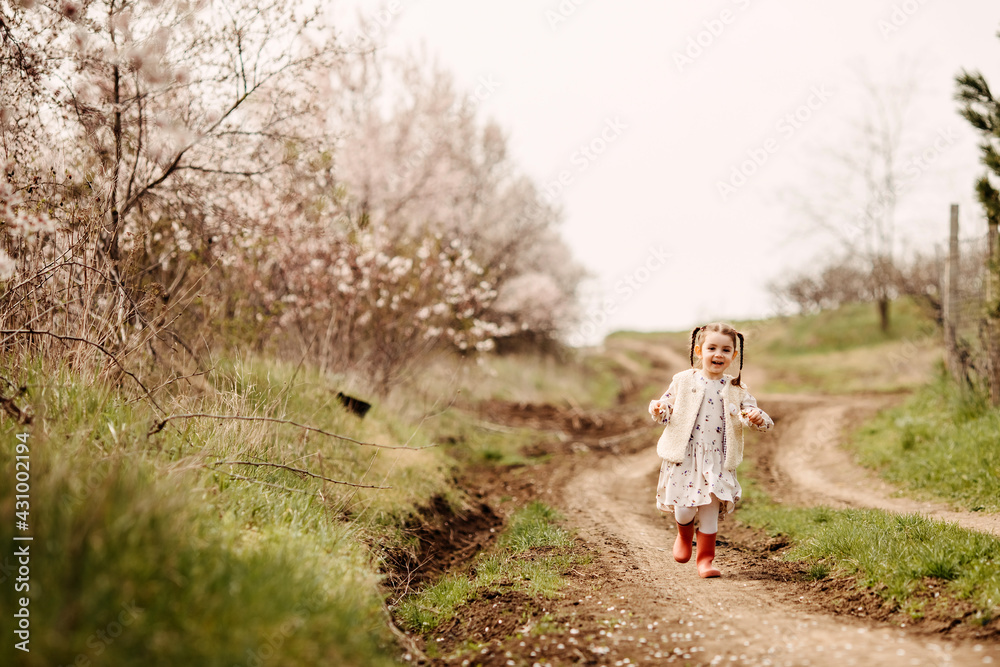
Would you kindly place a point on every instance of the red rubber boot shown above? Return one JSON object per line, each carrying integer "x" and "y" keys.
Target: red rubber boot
{"x": 706, "y": 553}
{"x": 682, "y": 545}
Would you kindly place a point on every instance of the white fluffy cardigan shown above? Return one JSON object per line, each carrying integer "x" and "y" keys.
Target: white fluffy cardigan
{"x": 685, "y": 396}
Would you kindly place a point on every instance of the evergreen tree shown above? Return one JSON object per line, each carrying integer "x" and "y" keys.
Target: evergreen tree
{"x": 982, "y": 110}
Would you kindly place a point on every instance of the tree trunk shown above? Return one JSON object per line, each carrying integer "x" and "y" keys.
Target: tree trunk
{"x": 883, "y": 314}
{"x": 116, "y": 222}
{"x": 993, "y": 312}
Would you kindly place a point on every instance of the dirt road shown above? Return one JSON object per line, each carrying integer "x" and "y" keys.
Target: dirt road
{"x": 749, "y": 616}
{"x": 810, "y": 467}
{"x": 634, "y": 605}
{"x": 745, "y": 617}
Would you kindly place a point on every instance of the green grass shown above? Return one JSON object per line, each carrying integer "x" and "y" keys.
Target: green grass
{"x": 194, "y": 589}
{"x": 585, "y": 377}
{"x": 844, "y": 350}
{"x": 436, "y": 603}
{"x": 942, "y": 443}
{"x": 905, "y": 559}
{"x": 848, "y": 327}
{"x": 534, "y": 527}
{"x": 472, "y": 439}
{"x": 229, "y": 561}
{"x": 205, "y": 567}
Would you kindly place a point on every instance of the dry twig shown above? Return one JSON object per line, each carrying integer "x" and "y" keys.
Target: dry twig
{"x": 110, "y": 355}
{"x": 260, "y": 481}
{"x": 299, "y": 470}
{"x": 406, "y": 640}
{"x": 10, "y": 407}
{"x": 158, "y": 426}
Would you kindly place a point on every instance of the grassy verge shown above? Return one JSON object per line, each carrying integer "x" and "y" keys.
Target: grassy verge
{"x": 193, "y": 545}
{"x": 532, "y": 529}
{"x": 844, "y": 350}
{"x": 473, "y": 440}
{"x": 851, "y": 326}
{"x": 585, "y": 378}
{"x": 942, "y": 444}
{"x": 146, "y": 552}
{"x": 918, "y": 566}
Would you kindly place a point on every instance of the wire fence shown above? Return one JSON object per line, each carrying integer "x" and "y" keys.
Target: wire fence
{"x": 971, "y": 334}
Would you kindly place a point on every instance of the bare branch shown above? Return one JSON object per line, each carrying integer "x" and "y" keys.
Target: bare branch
{"x": 262, "y": 482}
{"x": 299, "y": 471}
{"x": 180, "y": 377}
{"x": 157, "y": 427}
{"x": 110, "y": 355}
{"x": 225, "y": 172}
{"x": 138, "y": 148}
{"x": 176, "y": 163}
{"x": 53, "y": 266}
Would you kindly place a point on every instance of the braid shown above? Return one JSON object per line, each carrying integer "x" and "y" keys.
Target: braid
{"x": 736, "y": 380}
{"x": 694, "y": 337}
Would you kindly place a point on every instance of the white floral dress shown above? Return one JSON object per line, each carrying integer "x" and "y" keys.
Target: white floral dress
{"x": 701, "y": 474}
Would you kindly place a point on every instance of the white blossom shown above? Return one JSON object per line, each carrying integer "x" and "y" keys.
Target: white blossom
{"x": 8, "y": 267}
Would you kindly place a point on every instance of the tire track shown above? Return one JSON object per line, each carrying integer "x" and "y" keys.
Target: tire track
{"x": 817, "y": 470}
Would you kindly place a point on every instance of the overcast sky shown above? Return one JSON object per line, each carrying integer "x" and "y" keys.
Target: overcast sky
{"x": 635, "y": 114}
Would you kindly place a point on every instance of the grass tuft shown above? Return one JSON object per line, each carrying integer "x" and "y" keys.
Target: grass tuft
{"x": 535, "y": 526}
{"x": 941, "y": 444}
{"x": 529, "y": 557}
{"x": 897, "y": 556}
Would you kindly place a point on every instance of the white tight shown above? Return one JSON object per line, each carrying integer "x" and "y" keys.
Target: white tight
{"x": 708, "y": 516}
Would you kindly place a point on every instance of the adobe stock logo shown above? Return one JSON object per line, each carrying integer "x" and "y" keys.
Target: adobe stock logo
{"x": 700, "y": 42}
{"x": 585, "y": 155}
{"x": 786, "y": 127}
{"x": 562, "y": 13}
{"x": 899, "y": 17}
{"x": 627, "y": 286}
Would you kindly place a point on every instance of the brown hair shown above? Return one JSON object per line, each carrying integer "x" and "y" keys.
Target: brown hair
{"x": 698, "y": 335}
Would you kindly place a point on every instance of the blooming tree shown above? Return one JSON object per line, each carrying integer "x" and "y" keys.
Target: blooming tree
{"x": 189, "y": 166}
{"x": 422, "y": 162}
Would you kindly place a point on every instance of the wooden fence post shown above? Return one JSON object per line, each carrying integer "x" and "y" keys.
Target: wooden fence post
{"x": 950, "y": 300}
{"x": 993, "y": 309}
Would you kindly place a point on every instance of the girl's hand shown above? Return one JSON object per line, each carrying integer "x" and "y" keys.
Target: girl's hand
{"x": 658, "y": 409}
{"x": 755, "y": 417}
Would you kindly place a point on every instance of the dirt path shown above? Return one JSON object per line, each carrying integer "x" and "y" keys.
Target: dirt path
{"x": 740, "y": 618}
{"x": 634, "y": 605}
{"x": 749, "y": 617}
{"x": 810, "y": 467}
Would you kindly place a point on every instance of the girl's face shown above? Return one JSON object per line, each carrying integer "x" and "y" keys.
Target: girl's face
{"x": 717, "y": 352}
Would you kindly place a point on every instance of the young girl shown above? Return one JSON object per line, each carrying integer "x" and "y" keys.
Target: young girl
{"x": 705, "y": 412}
